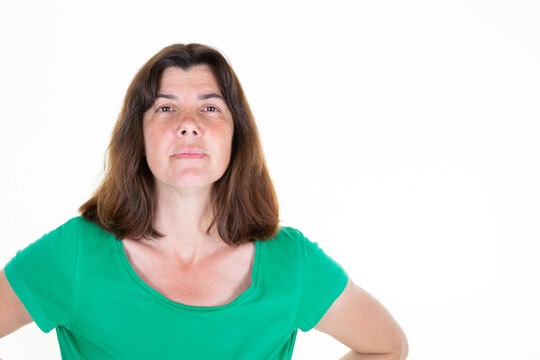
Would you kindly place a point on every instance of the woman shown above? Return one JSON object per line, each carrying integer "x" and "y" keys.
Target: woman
{"x": 178, "y": 254}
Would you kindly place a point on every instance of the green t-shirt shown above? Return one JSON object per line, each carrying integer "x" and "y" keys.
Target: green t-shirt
{"x": 78, "y": 280}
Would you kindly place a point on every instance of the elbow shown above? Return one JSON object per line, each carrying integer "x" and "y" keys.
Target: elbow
{"x": 399, "y": 349}
{"x": 401, "y": 345}
{"x": 402, "y": 350}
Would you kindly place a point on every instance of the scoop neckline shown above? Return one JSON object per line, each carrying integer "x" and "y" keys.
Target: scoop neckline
{"x": 160, "y": 296}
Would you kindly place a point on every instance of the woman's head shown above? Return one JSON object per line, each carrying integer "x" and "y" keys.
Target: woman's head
{"x": 245, "y": 203}
{"x": 187, "y": 132}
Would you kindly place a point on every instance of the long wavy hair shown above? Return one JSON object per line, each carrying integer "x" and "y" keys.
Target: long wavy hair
{"x": 245, "y": 202}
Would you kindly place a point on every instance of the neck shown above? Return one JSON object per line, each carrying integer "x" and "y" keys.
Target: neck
{"x": 183, "y": 218}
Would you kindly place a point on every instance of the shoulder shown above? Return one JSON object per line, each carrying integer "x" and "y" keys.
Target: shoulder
{"x": 290, "y": 232}
{"x": 79, "y": 222}
{"x": 289, "y": 240}
{"x": 79, "y": 232}
{"x": 83, "y": 226}
{"x": 287, "y": 235}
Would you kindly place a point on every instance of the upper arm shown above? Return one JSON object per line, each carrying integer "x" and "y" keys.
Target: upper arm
{"x": 360, "y": 322}
{"x": 13, "y": 314}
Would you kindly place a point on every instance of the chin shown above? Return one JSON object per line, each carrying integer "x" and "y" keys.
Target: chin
{"x": 192, "y": 183}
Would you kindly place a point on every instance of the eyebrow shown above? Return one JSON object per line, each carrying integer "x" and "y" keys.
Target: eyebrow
{"x": 201, "y": 97}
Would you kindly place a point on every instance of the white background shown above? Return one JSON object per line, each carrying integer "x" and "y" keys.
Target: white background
{"x": 401, "y": 136}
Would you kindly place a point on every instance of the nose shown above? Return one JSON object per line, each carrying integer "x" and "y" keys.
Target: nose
{"x": 188, "y": 126}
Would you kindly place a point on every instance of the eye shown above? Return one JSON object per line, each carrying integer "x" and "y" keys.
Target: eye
{"x": 211, "y": 108}
{"x": 165, "y": 108}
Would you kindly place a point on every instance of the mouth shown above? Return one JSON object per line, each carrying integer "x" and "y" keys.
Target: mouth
{"x": 189, "y": 154}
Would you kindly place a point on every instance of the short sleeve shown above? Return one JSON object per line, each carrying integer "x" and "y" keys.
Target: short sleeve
{"x": 322, "y": 281}
{"x": 43, "y": 276}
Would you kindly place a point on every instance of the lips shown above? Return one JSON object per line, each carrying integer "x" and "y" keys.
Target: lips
{"x": 189, "y": 153}
{"x": 189, "y": 156}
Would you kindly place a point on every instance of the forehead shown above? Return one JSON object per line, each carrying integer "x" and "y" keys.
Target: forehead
{"x": 200, "y": 76}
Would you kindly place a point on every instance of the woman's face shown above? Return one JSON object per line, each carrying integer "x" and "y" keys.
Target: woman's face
{"x": 188, "y": 130}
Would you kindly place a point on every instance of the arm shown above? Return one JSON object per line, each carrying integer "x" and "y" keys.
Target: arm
{"x": 359, "y": 321}
{"x": 13, "y": 314}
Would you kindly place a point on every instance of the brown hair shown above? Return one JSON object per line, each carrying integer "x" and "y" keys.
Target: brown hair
{"x": 245, "y": 202}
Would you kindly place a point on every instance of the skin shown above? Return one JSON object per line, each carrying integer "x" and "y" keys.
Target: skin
{"x": 189, "y": 112}
{"x": 361, "y": 322}
{"x": 182, "y": 118}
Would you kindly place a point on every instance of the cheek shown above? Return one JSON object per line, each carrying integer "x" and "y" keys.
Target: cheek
{"x": 151, "y": 147}
{"x": 227, "y": 147}
{"x": 225, "y": 137}
{"x": 147, "y": 146}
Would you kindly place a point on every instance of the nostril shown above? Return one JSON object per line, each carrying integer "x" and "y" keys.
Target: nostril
{"x": 184, "y": 132}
